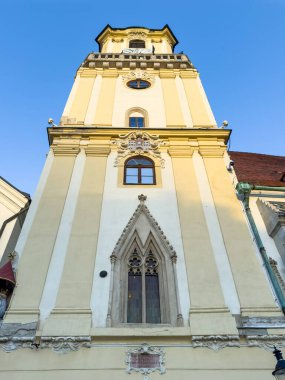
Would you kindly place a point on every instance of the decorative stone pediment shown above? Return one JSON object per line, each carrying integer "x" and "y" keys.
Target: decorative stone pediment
{"x": 138, "y": 143}
{"x": 138, "y": 74}
{"x": 144, "y": 224}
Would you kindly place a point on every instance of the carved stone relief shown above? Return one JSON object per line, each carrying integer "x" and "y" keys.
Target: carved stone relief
{"x": 138, "y": 74}
{"x": 138, "y": 143}
{"x": 65, "y": 345}
{"x": 137, "y": 36}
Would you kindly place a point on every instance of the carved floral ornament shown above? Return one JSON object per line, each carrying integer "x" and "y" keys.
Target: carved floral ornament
{"x": 65, "y": 345}
{"x": 138, "y": 74}
{"x": 138, "y": 143}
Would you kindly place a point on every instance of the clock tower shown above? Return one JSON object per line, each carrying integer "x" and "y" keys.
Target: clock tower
{"x": 136, "y": 248}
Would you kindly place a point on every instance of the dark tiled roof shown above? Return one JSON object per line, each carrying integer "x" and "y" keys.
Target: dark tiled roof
{"x": 259, "y": 169}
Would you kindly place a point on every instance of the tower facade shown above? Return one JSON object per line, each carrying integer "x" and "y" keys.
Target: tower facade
{"x": 136, "y": 254}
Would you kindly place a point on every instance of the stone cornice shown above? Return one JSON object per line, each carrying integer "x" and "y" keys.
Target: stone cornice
{"x": 167, "y": 74}
{"x": 97, "y": 150}
{"x": 180, "y": 151}
{"x": 65, "y": 149}
{"x": 214, "y": 135}
{"x": 212, "y": 151}
{"x": 131, "y": 61}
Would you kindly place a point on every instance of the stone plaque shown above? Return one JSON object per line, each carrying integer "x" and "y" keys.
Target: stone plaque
{"x": 144, "y": 360}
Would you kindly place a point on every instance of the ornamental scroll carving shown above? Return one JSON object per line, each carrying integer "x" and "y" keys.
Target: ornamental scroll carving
{"x": 65, "y": 345}
{"x": 137, "y": 36}
{"x": 138, "y": 74}
{"x": 138, "y": 143}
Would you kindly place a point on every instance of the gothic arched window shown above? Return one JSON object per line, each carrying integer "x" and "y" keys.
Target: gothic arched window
{"x": 143, "y": 304}
{"x": 139, "y": 171}
{"x": 143, "y": 280}
{"x": 137, "y": 44}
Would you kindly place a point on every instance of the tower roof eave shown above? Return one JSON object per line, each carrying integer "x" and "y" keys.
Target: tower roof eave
{"x": 109, "y": 28}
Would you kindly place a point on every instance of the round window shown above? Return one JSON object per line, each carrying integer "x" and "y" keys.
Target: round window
{"x": 138, "y": 84}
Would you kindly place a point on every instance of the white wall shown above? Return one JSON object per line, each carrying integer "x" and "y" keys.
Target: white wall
{"x": 150, "y": 99}
{"x": 119, "y": 204}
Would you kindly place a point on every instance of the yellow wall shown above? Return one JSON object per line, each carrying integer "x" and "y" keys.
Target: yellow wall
{"x": 197, "y": 101}
{"x": 81, "y": 100}
{"x": 33, "y": 266}
{"x": 249, "y": 363}
{"x": 104, "y": 111}
{"x": 174, "y": 117}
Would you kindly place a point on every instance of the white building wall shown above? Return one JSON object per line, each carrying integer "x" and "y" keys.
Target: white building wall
{"x": 150, "y": 99}
{"x": 6, "y": 236}
{"x": 119, "y": 204}
{"x": 267, "y": 241}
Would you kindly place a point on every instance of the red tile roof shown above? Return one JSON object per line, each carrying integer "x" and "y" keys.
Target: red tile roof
{"x": 259, "y": 169}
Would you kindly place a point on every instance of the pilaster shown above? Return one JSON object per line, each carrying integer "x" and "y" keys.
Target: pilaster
{"x": 206, "y": 297}
{"x": 37, "y": 252}
{"x": 201, "y": 113}
{"x": 72, "y": 313}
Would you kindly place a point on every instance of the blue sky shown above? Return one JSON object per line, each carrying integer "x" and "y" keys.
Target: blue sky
{"x": 237, "y": 46}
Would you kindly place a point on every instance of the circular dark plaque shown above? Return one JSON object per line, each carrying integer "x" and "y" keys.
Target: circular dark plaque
{"x": 103, "y": 273}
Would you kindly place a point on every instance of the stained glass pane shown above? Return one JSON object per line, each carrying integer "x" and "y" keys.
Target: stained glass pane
{"x": 140, "y": 122}
{"x": 132, "y": 179}
{"x": 138, "y": 44}
{"x": 146, "y": 172}
{"x": 138, "y": 84}
{"x": 132, "y": 122}
{"x": 144, "y": 84}
{"x": 152, "y": 298}
{"x": 147, "y": 180}
{"x": 139, "y": 161}
{"x": 132, "y": 171}
{"x": 134, "y": 314}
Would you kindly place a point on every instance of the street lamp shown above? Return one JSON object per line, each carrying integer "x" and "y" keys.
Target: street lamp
{"x": 279, "y": 371}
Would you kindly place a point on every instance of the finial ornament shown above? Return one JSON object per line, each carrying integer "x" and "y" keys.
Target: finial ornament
{"x": 142, "y": 198}
{"x": 12, "y": 255}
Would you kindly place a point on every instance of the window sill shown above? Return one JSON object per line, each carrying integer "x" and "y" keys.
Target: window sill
{"x": 131, "y": 330}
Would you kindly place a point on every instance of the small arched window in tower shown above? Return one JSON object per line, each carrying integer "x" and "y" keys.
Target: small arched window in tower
{"x": 143, "y": 289}
{"x": 136, "y": 118}
{"x": 139, "y": 171}
{"x": 137, "y": 44}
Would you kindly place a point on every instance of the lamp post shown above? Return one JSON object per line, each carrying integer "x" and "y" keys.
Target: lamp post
{"x": 279, "y": 371}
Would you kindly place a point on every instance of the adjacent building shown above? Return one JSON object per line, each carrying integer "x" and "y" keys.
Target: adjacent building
{"x": 265, "y": 175}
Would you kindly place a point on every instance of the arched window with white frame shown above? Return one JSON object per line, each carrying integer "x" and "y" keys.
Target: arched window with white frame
{"x": 137, "y": 118}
